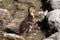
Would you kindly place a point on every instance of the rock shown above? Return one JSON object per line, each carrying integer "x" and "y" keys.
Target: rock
{"x": 5, "y": 10}
{"x": 54, "y": 22}
{"x": 14, "y": 25}
{"x": 1, "y": 36}
{"x": 8, "y": 36}
{"x": 5, "y": 17}
{"x": 55, "y": 4}
{"x": 54, "y": 18}
{"x": 1, "y": 0}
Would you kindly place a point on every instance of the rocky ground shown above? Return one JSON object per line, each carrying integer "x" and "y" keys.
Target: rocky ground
{"x": 15, "y": 24}
{"x": 13, "y": 14}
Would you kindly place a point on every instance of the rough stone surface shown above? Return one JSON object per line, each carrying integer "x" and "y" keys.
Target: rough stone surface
{"x": 5, "y": 18}
{"x": 54, "y": 18}
{"x": 54, "y": 21}
{"x": 55, "y": 4}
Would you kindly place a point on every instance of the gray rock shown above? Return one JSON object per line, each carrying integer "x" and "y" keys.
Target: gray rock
{"x": 55, "y": 4}
{"x": 1, "y": 0}
{"x": 54, "y": 18}
{"x": 54, "y": 21}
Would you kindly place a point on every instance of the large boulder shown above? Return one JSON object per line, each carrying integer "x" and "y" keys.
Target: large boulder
{"x": 54, "y": 18}
{"x": 54, "y": 21}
